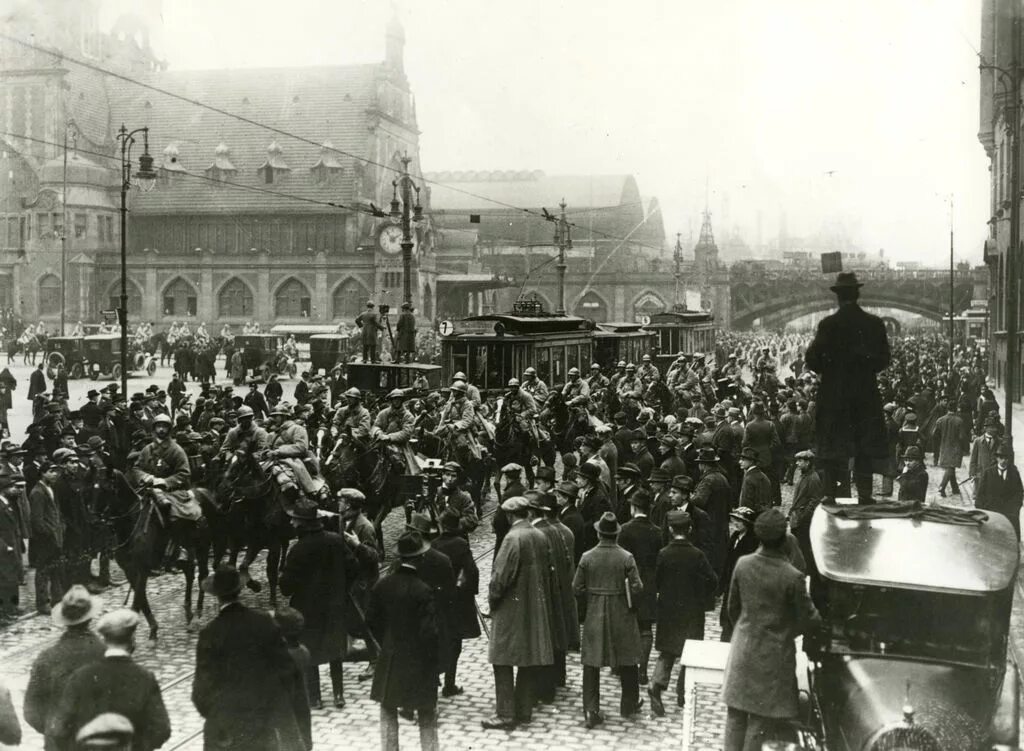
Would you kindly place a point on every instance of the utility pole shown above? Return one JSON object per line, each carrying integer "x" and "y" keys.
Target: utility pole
{"x": 678, "y": 259}
{"x": 563, "y": 239}
{"x": 64, "y": 237}
{"x": 951, "y": 272}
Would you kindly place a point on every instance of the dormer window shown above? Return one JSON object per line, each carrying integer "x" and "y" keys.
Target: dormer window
{"x": 274, "y": 168}
{"x": 170, "y": 165}
{"x": 327, "y": 168}
{"x": 222, "y": 169}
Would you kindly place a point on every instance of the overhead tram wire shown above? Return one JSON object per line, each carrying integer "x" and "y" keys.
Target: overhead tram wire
{"x": 60, "y": 56}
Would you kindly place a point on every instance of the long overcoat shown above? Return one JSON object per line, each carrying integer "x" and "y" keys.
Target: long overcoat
{"x": 849, "y": 349}
{"x": 949, "y": 436}
{"x": 611, "y": 635}
{"x": 462, "y": 618}
{"x": 643, "y": 539}
{"x": 770, "y": 607}
{"x": 406, "y": 332}
{"x": 518, "y": 596}
{"x": 714, "y": 495}
{"x": 683, "y": 583}
{"x": 565, "y": 616}
{"x": 402, "y": 614}
{"x": 1003, "y": 495}
{"x": 318, "y": 572}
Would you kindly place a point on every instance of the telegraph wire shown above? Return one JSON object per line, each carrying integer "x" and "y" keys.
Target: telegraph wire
{"x": 61, "y": 56}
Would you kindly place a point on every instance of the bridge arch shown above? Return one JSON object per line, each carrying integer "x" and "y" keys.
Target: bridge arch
{"x": 793, "y": 309}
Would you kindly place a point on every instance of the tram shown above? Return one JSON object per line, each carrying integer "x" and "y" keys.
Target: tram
{"x": 490, "y": 349}
{"x": 682, "y": 331}
{"x": 617, "y": 341}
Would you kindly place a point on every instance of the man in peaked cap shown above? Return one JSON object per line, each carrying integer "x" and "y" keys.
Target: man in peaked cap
{"x": 849, "y": 406}
{"x": 370, "y": 327}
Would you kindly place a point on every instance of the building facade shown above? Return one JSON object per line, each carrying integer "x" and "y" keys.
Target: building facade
{"x": 245, "y": 222}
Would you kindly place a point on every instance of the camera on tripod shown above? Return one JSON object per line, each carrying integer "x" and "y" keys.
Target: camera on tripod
{"x": 384, "y": 309}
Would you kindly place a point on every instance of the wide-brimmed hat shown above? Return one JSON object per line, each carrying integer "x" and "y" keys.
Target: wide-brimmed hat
{"x": 421, "y": 524}
{"x": 544, "y": 501}
{"x": 225, "y": 581}
{"x": 682, "y": 482}
{"x": 1004, "y": 449}
{"x": 304, "y": 512}
{"x": 608, "y": 525}
{"x": 590, "y": 471}
{"x": 77, "y": 606}
{"x": 568, "y": 488}
{"x": 659, "y": 475}
{"x": 411, "y": 545}
{"x": 629, "y": 470}
{"x": 105, "y": 730}
{"x": 846, "y": 280}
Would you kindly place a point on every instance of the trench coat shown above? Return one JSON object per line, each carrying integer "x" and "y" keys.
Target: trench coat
{"x": 405, "y": 340}
{"x": 950, "y": 438}
{"x": 369, "y": 325}
{"x": 462, "y": 617}
{"x": 683, "y": 583}
{"x": 518, "y": 596}
{"x": 770, "y": 607}
{"x": 565, "y": 616}
{"x": 47, "y": 541}
{"x": 401, "y": 612}
{"x": 713, "y": 495}
{"x": 849, "y": 349}
{"x": 611, "y": 635}
{"x": 318, "y": 572}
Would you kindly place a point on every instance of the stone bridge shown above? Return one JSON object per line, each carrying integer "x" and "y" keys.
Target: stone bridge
{"x": 772, "y": 299}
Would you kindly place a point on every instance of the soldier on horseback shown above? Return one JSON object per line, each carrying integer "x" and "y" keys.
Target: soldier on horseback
{"x": 458, "y": 421}
{"x": 597, "y": 381}
{"x": 394, "y": 427}
{"x": 353, "y": 418}
{"x": 576, "y": 393}
{"x": 534, "y": 386}
{"x": 289, "y": 450}
{"x": 245, "y": 437}
{"x": 452, "y": 497}
{"x": 647, "y": 370}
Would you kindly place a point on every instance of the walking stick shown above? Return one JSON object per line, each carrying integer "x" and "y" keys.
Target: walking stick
{"x": 482, "y": 619}
{"x": 362, "y": 615}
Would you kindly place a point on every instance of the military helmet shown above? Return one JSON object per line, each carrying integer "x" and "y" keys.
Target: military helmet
{"x": 353, "y": 393}
{"x": 162, "y": 419}
{"x": 245, "y": 411}
{"x": 513, "y": 382}
{"x": 574, "y": 371}
{"x": 531, "y": 371}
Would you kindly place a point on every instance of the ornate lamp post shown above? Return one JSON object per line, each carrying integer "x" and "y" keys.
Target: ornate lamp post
{"x": 400, "y": 214}
{"x": 145, "y": 179}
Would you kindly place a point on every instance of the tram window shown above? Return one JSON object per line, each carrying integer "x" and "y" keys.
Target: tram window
{"x": 496, "y": 355}
{"x": 460, "y": 357}
{"x": 477, "y": 372}
{"x": 572, "y": 353}
{"x": 557, "y": 365}
{"x": 585, "y": 358}
{"x": 544, "y": 364}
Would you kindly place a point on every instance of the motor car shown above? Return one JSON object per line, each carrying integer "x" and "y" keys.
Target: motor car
{"x": 326, "y": 350}
{"x": 103, "y": 353}
{"x": 68, "y": 351}
{"x": 913, "y": 649}
{"x": 261, "y": 353}
{"x": 379, "y": 378}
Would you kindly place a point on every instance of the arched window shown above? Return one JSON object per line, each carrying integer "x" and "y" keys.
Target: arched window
{"x": 49, "y": 295}
{"x": 292, "y": 300}
{"x": 134, "y": 298}
{"x": 647, "y": 305}
{"x": 235, "y": 300}
{"x": 180, "y": 299}
{"x": 349, "y": 298}
{"x": 428, "y": 303}
{"x": 592, "y": 306}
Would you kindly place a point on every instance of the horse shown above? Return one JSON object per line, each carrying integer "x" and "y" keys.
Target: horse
{"x": 564, "y": 423}
{"x": 257, "y": 508}
{"x": 512, "y": 444}
{"x": 29, "y": 348}
{"x": 370, "y": 468}
{"x": 158, "y": 344}
{"x": 141, "y": 535}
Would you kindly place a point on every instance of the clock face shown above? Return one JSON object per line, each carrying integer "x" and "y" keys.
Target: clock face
{"x": 390, "y": 239}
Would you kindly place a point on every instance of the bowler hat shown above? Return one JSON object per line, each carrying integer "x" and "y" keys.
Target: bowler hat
{"x": 225, "y": 581}
{"x": 913, "y": 452}
{"x": 607, "y": 525}
{"x": 659, "y": 475}
{"x": 545, "y": 473}
{"x": 77, "y": 606}
{"x": 682, "y": 482}
{"x": 846, "y": 280}
{"x": 770, "y": 525}
{"x": 304, "y": 512}
{"x": 568, "y": 488}
{"x": 749, "y": 453}
{"x": 1003, "y": 449}
{"x": 590, "y": 471}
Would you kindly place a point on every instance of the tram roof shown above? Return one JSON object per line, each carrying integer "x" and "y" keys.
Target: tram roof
{"x": 908, "y": 553}
{"x": 619, "y": 327}
{"x": 538, "y": 323}
{"x": 676, "y": 317}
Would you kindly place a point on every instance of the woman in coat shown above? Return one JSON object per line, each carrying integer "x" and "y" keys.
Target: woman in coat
{"x": 769, "y": 604}
{"x": 318, "y": 571}
{"x": 609, "y": 577}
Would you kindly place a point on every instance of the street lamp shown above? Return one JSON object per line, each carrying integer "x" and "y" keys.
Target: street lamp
{"x": 399, "y": 214}
{"x": 1010, "y": 80}
{"x": 145, "y": 179}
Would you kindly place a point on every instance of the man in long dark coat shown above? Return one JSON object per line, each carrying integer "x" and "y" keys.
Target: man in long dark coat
{"x": 369, "y": 325}
{"x": 246, "y": 685}
{"x": 405, "y": 340}
{"x": 318, "y": 572}
{"x": 849, "y": 349}
{"x": 1000, "y": 489}
{"x": 462, "y": 620}
{"x": 713, "y": 495}
{"x": 683, "y": 584}
{"x": 401, "y": 614}
{"x": 642, "y": 538}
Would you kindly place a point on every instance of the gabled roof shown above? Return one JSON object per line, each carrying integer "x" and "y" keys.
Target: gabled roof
{"x": 328, "y": 103}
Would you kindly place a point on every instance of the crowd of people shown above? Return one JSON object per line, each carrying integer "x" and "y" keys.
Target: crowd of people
{"x": 663, "y": 505}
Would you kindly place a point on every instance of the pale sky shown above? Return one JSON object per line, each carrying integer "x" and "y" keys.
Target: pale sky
{"x": 763, "y": 98}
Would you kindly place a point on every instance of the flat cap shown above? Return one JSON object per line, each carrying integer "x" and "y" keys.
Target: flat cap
{"x": 117, "y": 623}
{"x": 770, "y": 526}
{"x": 514, "y": 504}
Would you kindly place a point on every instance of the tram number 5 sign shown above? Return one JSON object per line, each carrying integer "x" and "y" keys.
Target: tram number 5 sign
{"x": 447, "y": 328}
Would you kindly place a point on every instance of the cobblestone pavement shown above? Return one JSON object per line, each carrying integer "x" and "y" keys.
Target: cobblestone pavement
{"x": 558, "y": 726}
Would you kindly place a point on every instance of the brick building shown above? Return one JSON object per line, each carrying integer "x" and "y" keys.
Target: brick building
{"x": 239, "y": 225}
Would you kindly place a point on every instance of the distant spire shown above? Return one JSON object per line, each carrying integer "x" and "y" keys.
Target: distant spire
{"x": 394, "y": 43}
{"x": 707, "y": 235}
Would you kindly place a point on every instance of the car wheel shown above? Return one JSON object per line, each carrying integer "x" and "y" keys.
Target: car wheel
{"x": 77, "y": 371}
{"x": 115, "y": 372}
{"x": 151, "y": 368}
{"x": 265, "y": 372}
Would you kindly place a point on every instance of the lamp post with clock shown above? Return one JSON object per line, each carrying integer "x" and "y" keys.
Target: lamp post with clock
{"x": 400, "y": 217}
